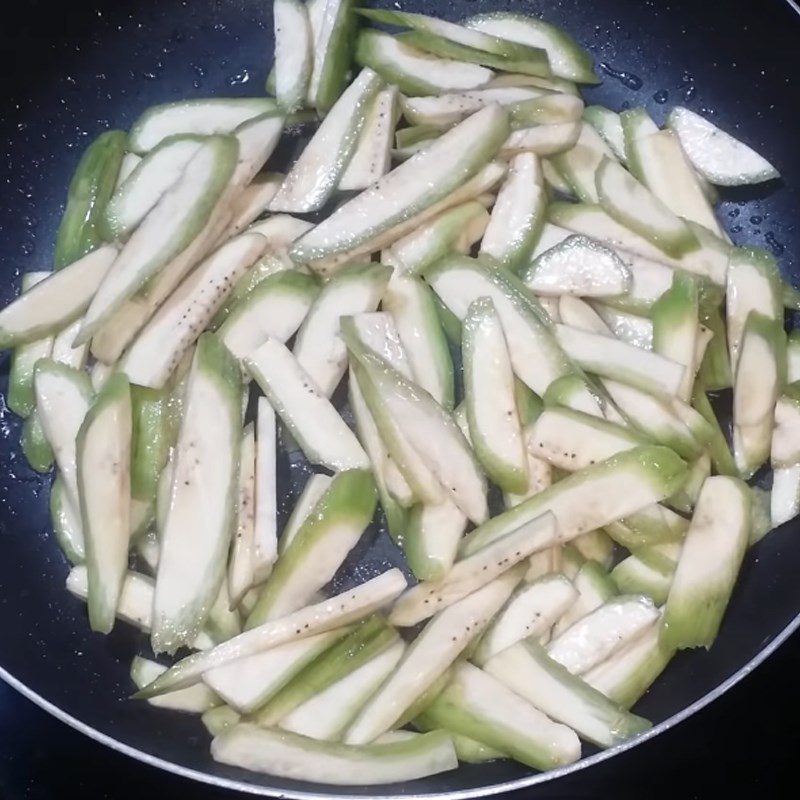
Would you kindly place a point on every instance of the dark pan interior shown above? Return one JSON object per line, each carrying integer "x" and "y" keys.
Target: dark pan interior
{"x": 73, "y": 69}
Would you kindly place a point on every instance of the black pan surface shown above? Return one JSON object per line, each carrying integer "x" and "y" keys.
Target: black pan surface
{"x": 72, "y": 70}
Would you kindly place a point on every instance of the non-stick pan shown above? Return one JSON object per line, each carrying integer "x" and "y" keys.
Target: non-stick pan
{"x": 73, "y": 69}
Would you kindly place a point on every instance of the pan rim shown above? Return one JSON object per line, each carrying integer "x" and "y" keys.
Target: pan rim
{"x": 458, "y": 794}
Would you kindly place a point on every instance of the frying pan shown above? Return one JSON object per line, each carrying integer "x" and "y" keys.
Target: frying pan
{"x": 74, "y": 69}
